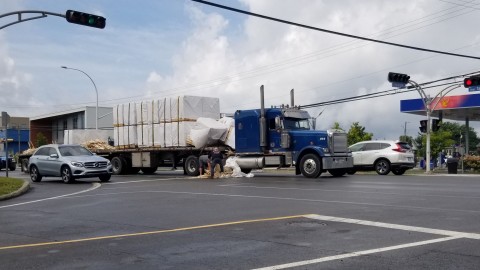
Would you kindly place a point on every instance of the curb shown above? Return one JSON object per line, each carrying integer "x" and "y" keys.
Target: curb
{"x": 25, "y": 187}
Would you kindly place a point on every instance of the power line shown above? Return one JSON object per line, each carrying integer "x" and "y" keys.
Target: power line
{"x": 388, "y": 92}
{"x": 333, "y": 32}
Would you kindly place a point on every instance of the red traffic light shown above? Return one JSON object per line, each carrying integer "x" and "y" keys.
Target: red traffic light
{"x": 467, "y": 82}
{"x": 472, "y": 81}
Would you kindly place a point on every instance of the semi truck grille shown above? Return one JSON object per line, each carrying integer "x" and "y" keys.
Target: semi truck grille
{"x": 94, "y": 165}
{"x": 339, "y": 143}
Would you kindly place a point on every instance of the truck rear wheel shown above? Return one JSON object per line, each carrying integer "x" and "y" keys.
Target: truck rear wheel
{"x": 118, "y": 165}
{"x": 192, "y": 165}
{"x": 25, "y": 165}
{"x": 310, "y": 166}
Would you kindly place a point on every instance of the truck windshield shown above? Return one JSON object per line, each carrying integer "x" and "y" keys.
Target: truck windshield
{"x": 296, "y": 123}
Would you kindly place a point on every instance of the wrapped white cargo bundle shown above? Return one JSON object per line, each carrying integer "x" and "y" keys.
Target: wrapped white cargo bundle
{"x": 208, "y": 131}
{"x": 230, "y": 136}
{"x": 161, "y": 123}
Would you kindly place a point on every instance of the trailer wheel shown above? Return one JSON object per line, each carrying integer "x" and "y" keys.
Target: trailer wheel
{"x": 310, "y": 166}
{"x": 192, "y": 166}
{"x": 118, "y": 165}
{"x": 25, "y": 165}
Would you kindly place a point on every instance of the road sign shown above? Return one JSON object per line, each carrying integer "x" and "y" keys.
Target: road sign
{"x": 474, "y": 88}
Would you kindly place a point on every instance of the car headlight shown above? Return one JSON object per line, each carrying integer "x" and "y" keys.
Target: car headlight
{"x": 77, "y": 164}
{"x": 109, "y": 163}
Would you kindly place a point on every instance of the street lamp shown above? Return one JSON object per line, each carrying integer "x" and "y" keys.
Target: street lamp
{"x": 96, "y": 91}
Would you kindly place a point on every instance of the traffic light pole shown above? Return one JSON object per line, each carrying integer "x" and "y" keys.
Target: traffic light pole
{"x": 427, "y": 102}
{"x": 44, "y": 14}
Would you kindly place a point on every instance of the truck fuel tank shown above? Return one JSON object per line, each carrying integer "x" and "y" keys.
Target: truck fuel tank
{"x": 251, "y": 162}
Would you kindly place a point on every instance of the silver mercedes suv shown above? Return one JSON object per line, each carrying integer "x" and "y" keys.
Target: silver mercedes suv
{"x": 69, "y": 162}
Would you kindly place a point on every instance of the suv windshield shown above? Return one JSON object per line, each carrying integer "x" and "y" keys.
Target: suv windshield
{"x": 295, "y": 123}
{"x": 74, "y": 150}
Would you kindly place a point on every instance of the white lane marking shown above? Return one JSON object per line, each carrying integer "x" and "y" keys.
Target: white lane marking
{"x": 349, "y": 191}
{"x": 94, "y": 186}
{"x": 395, "y": 226}
{"x": 357, "y": 253}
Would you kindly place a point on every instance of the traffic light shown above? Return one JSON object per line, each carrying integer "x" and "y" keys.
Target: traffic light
{"x": 398, "y": 78}
{"x": 436, "y": 123}
{"x": 86, "y": 19}
{"x": 423, "y": 126}
{"x": 472, "y": 81}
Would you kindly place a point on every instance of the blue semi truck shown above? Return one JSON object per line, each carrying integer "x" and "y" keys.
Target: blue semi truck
{"x": 282, "y": 137}
{"x": 272, "y": 137}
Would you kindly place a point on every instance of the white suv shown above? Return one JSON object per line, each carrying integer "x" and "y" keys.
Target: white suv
{"x": 382, "y": 157}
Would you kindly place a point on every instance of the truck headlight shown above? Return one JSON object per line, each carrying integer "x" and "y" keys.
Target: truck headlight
{"x": 76, "y": 164}
{"x": 326, "y": 150}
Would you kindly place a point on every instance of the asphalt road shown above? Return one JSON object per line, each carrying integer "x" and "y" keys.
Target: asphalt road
{"x": 270, "y": 221}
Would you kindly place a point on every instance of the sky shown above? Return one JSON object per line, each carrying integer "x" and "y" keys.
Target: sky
{"x": 153, "y": 49}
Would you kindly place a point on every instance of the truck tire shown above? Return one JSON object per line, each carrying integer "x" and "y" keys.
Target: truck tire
{"x": 150, "y": 170}
{"x": 310, "y": 166}
{"x": 192, "y": 166}
{"x": 25, "y": 165}
{"x": 118, "y": 165}
{"x": 337, "y": 172}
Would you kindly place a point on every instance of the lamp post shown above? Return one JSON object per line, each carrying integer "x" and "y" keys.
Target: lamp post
{"x": 96, "y": 91}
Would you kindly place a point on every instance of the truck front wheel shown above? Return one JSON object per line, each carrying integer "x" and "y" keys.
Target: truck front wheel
{"x": 310, "y": 166}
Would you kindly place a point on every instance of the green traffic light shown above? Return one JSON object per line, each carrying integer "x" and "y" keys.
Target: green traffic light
{"x": 91, "y": 20}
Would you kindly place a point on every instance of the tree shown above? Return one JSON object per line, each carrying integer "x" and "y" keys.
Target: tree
{"x": 40, "y": 140}
{"x": 407, "y": 139}
{"x": 357, "y": 134}
{"x": 336, "y": 125}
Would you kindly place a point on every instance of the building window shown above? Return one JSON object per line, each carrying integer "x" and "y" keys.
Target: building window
{"x": 75, "y": 122}
{"x": 65, "y": 124}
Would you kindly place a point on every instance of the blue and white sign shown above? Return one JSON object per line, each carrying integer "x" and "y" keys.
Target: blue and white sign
{"x": 474, "y": 88}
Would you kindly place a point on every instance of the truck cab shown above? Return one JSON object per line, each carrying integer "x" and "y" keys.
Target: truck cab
{"x": 282, "y": 137}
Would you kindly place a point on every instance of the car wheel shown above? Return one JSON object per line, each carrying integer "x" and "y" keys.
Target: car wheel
{"x": 337, "y": 172}
{"x": 105, "y": 177}
{"x": 382, "y": 166}
{"x": 398, "y": 171}
{"x": 66, "y": 174}
{"x": 310, "y": 166}
{"x": 12, "y": 167}
{"x": 35, "y": 175}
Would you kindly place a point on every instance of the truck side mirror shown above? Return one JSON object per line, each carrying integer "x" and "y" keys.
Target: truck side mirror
{"x": 278, "y": 123}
